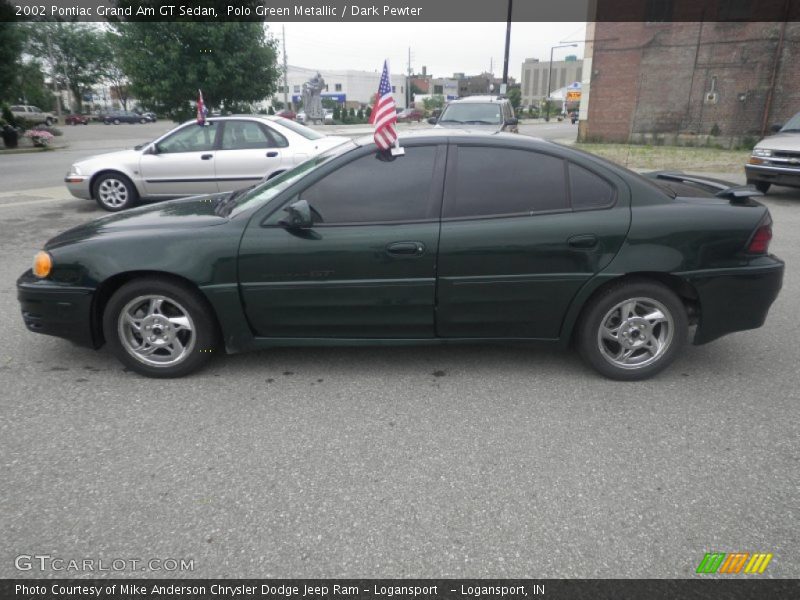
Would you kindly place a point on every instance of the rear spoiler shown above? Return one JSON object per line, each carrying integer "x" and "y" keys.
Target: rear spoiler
{"x": 720, "y": 188}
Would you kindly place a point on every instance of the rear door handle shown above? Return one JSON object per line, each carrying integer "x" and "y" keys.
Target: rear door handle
{"x": 586, "y": 241}
{"x": 272, "y": 154}
{"x": 406, "y": 248}
{"x": 206, "y": 157}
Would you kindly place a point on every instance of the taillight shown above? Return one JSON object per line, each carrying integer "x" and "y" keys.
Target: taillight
{"x": 759, "y": 242}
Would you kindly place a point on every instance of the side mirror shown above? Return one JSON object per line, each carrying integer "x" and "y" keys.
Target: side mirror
{"x": 432, "y": 120}
{"x": 299, "y": 216}
{"x": 776, "y": 128}
{"x": 151, "y": 149}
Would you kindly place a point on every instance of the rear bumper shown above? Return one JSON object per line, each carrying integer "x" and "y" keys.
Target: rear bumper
{"x": 776, "y": 175}
{"x": 56, "y": 309}
{"x": 735, "y": 299}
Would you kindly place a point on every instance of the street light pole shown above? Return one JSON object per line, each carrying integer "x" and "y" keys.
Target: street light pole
{"x": 549, "y": 76}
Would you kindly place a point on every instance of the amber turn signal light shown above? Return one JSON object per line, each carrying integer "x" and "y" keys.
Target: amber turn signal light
{"x": 42, "y": 264}
{"x": 756, "y": 161}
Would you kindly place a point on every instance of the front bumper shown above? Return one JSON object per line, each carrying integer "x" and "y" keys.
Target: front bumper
{"x": 735, "y": 299}
{"x": 56, "y": 309}
{"x": 78, "y": 186}
{"x": 777, "y": 175}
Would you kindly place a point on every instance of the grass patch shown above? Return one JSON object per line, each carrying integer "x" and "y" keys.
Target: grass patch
{"x": 675, "y": 158}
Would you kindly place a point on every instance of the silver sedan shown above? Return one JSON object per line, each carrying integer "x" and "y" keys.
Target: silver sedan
{"x": 224, "y": 154}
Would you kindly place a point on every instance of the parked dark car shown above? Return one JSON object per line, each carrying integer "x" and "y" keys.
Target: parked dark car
{"x": 150, "y": 116}
{"x": 75, "y": 119}
{"x": 523, "y": 241}
{"x": 124, "y": 116}
{"x": 410, "y": 114}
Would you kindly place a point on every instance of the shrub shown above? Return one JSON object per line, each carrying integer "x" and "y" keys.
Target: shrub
{"x": 39, "y": 137}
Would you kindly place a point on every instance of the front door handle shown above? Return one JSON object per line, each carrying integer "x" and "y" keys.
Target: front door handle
{"x": 206, "y": 157}
{"x": 272, "y": 154}
{"x": 586, "y": 241}
{"x": 406, "y": 248}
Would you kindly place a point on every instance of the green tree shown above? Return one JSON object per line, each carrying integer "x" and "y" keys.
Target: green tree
{"x": 515, "y": 97}
{"x": 166, "y": 63}
{"x": 112, "y": 71}
{"x": 12, "y": 39}
{"x": 75, "y": 55}
{"x": 433, "y": 102}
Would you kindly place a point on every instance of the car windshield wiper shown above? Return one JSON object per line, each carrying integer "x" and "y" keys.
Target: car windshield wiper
{"x": 450, "y": 121}
{"x": 479, "y": 122}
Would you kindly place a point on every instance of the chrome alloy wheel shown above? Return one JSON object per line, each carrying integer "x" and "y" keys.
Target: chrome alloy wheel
{"x": 635, "y": 333}
{"x": 112, "y": 192}
{"x": 156, "y": 330}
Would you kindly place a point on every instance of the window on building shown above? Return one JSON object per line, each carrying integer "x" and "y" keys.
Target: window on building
{"x": 588, "y": 190}
{"x": 579, "y": 74}
{"x": 371, "y": 189}
{"x": 562, "y": 77}
{"x": 504, "y": 181}
{"x": 438, "y": 90}
{"x": 297, "y": 89}
{"x": 536, "y": 91}
{"x": 338, "y": 87}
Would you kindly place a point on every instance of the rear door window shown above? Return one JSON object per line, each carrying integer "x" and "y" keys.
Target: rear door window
{"x": 492, "y": 181}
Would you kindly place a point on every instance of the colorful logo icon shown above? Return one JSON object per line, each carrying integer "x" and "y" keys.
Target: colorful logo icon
{"x": 734, "y": 562}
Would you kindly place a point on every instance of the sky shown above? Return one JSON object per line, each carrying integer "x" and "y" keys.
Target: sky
{"x": 445, "y": 48}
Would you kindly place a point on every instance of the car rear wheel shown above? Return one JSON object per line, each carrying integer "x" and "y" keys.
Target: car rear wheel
{"x": 142, "y": 121}
{"x": 116, "y": 121}
{"x": 114, "y": 192}
{"x": 632, "y": 330}
{"x": 160, "y": 328}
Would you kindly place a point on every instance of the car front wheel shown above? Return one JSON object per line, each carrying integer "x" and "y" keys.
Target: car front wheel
{"x": 632, "y": 330}
{"x": 160, "y": 328}
{"x": 114, "y": 192}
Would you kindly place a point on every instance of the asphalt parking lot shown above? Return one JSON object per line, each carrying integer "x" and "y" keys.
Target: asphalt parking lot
{"x": 474, "y": 461}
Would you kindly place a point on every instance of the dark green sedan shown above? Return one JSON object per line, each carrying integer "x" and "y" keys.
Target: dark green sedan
{"x": 463, "y": 238}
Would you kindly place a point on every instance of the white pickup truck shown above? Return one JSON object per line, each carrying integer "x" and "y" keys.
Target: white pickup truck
{"x": 33, "y": 114}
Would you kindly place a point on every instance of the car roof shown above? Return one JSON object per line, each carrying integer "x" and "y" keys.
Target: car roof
{"x": 445, "y": 135}
{"x": 469, "y": 99}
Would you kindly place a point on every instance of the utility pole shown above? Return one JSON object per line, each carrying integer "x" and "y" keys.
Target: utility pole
{"x": 550, "y": 77}
{"x": 504, "y": 87}
{"x": 285, "y": 72}
{"x": 408, "y": 80}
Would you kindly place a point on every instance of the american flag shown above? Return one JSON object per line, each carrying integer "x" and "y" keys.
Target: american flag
{"x": 202, "y": 111}
{"x": 384, "y": 114}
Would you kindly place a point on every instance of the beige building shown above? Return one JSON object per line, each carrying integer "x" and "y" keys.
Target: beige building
{"x": 534, "y": 77}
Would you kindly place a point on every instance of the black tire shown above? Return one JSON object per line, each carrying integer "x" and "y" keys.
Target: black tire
{"x": 635, "y": 330}
{"x": 105, "y": 196}
{"x": 142, "y": 121}
{"x": 116, "y": 121}
{"x": 177, "y": 294}
{"x": 48, "y": 121}
{"x": 763, "y": 186}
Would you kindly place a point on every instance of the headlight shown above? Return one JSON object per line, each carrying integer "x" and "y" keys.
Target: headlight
{"x": 42, "y": 264}
{"x": 762, "y": 152}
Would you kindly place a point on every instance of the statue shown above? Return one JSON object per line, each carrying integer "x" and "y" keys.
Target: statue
{"x": 312, "y": 99}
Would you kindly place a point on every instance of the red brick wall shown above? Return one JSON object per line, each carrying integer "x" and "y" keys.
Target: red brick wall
{"x": 653, "y": 78}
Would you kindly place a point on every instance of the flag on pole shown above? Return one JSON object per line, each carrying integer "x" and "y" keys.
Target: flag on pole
{"x": 384, "y": 114}
{"x": 202, "y": 111}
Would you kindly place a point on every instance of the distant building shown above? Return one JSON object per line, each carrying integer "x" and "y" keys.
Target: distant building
{"x": 535, "y": 73}
{"x": 475, "y": 85}
{"x": 445, "y": 86}
{"x": 657, "y": 78}
{"x": 348, "y": 86}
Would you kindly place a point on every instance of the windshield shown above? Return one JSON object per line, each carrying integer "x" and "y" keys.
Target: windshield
{"x": 306, "y": 132}
{"x": 263, "y": 193}
{"x": 793, "y": 124}
{"x": 472, "y": 112}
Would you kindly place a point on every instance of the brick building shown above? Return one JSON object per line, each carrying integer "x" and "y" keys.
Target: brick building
{"x": 677, "y": 80}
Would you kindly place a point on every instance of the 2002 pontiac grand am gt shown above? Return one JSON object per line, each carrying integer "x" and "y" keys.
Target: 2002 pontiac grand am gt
{"x": 467, "y": 237}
